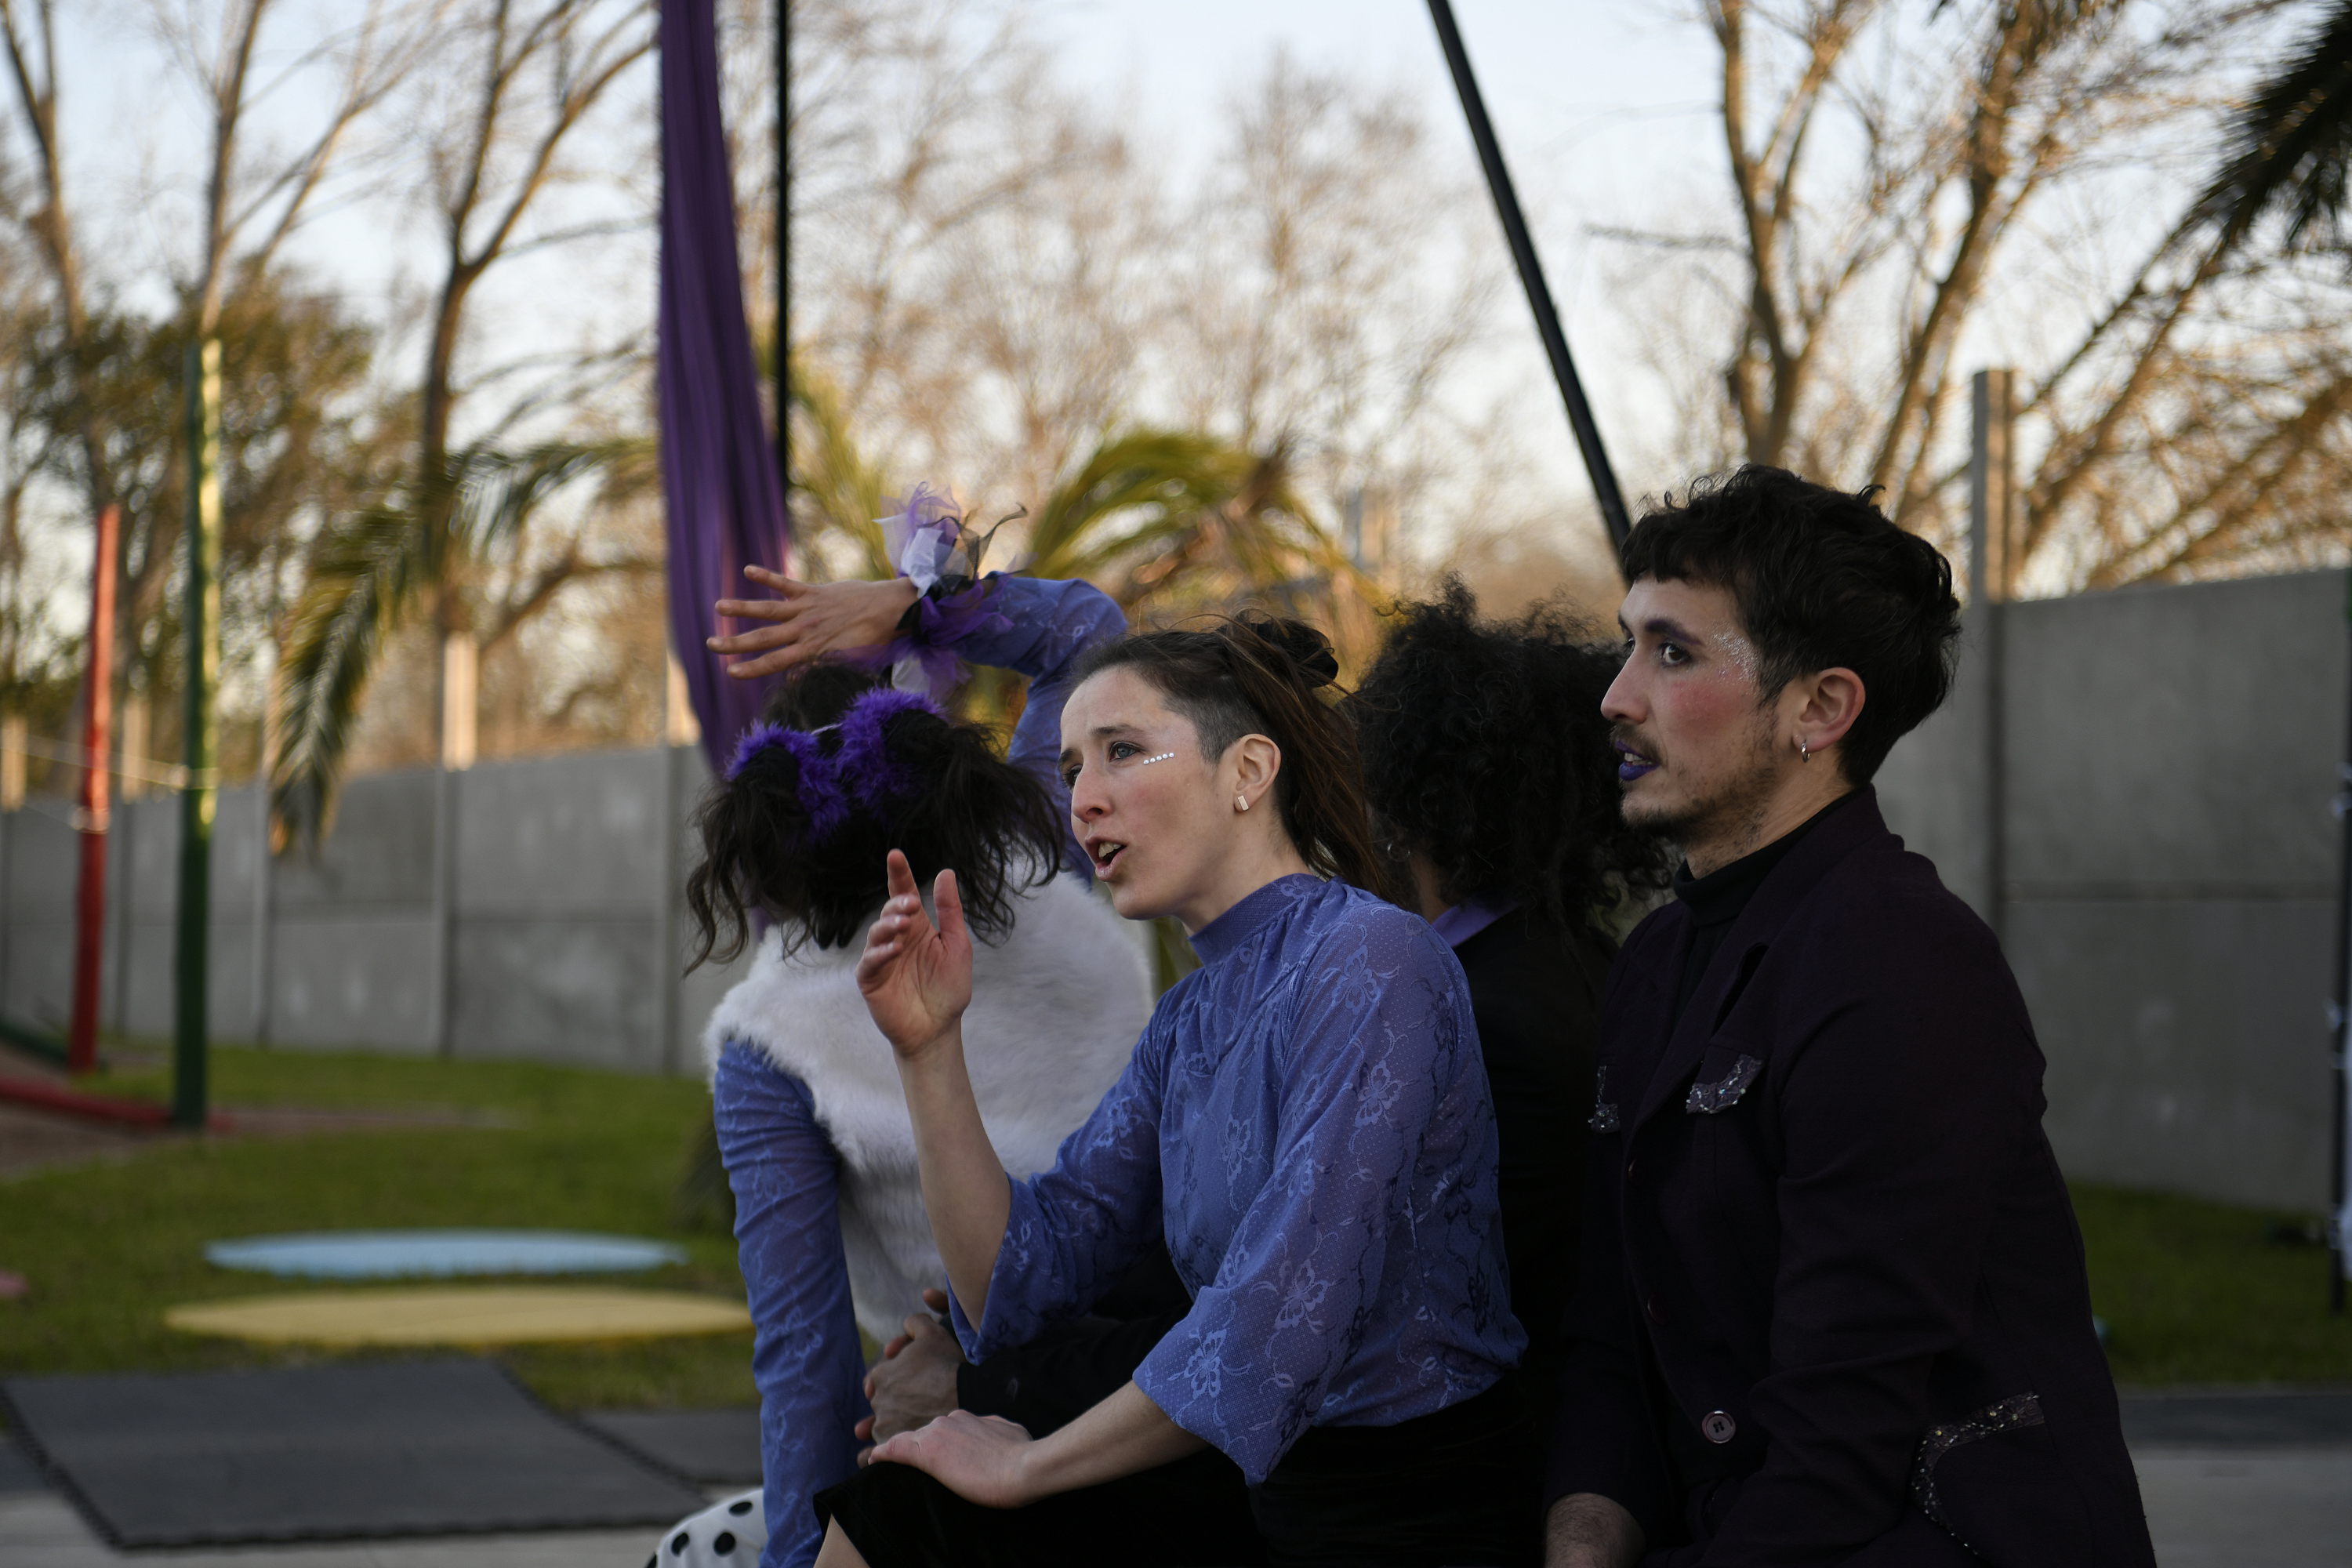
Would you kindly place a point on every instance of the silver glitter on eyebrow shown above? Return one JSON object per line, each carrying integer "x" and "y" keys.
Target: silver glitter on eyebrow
{"x": 1160, "y": 758}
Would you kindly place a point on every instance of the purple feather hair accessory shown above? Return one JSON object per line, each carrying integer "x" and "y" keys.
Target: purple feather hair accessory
{"x": 858, "y": 768}
{"x": 864, "y": 760}
{"x": 819, "y": 782}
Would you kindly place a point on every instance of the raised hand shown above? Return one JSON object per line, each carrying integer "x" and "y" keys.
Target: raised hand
{"x": 917, "y": 977}
{"x": 808, "y": 620}
{"x": 982, "y": 1458}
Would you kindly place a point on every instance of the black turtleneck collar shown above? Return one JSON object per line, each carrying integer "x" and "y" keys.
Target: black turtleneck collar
{"x": 1716, "y": 899}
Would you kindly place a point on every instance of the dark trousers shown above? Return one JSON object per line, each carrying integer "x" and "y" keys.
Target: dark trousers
{"x": 1442, "y": 1490}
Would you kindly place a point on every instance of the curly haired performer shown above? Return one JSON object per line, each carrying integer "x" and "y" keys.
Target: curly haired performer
{"x": 812, "y": 1130}
{"x": 1490, "y": 773}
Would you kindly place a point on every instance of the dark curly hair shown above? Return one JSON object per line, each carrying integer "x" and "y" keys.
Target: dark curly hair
{"x": 1485, "y": 749}
{"x": 1256, "y": 674}
{"x": 969, "y": 811}
{"x": 1823, "y": 580}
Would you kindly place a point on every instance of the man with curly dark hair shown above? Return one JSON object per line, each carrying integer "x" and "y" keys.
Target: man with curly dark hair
{"x": 1488, "y": 767}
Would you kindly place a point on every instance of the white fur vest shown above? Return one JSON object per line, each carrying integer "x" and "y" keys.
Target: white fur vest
{"x": 1056, "y": 1005}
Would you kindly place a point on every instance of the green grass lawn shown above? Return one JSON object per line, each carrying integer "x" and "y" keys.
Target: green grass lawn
{"x": 2191, "y": 1292}
{"x": 2199, "y": 1292}
{"x": 107, "y": 1247}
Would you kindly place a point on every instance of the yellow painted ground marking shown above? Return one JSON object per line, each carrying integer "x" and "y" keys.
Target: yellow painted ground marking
{"x": 461, "y": 1315}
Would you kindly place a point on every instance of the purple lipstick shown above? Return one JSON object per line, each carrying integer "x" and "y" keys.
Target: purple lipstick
{"x": 1631, "y": 763}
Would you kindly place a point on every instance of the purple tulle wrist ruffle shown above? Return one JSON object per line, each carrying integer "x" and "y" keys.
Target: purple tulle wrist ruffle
{"x": 940, "y": 624}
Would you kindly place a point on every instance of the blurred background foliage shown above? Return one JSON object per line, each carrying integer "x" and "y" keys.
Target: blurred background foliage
{"x": 1291, "y": 371}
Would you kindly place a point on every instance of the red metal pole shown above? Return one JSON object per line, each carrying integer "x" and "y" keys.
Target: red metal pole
{"x": 90, "y": 821}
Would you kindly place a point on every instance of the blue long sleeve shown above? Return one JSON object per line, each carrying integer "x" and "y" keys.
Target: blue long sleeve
{"x": 806, "y": 1359}
{"x": 1054, "y": 624}
{"x": 1307, "y": 1120}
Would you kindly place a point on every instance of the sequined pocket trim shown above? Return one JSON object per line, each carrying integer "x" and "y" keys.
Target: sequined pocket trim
{"x": 2017, "y": 1411}
{"x": 1707, "y": 1098}
{"x": 1604, "y": 1110}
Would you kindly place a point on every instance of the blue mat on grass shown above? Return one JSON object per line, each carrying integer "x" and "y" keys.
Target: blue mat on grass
{"x": 440, "y": 1253}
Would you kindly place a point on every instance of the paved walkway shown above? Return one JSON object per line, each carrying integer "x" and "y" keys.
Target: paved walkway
{"x": 2230, "y": 1480}
{"x": 2245, "y": 1508}
{"x": 39, "y": 1530}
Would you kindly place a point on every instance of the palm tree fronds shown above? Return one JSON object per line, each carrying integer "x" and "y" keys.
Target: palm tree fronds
{"x": 835, "y": 485}
{"x": 364, "y": 571}
{"x": 2291, "y": 146}
{"x": 368, "y": 570}
{"x": 497, "y": 491}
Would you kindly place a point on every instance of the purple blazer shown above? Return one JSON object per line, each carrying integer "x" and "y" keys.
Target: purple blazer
{"x": 1833, "y": 1307}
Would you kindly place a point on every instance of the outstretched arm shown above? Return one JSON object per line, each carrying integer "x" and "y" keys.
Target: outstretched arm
{"x": 1040, "y": 628}
{"x": 989, "y": 1460}
{"x": 807, "y": 620}
{"x": 917, "y": 980}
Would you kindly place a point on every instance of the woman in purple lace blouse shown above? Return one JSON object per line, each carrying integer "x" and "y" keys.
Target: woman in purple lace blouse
{"x": 1306, "y": 1122}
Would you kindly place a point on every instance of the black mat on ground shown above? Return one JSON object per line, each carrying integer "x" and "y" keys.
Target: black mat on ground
{"x": 717, "y": 1447}
{"x": 2236, "y": 1419}
{"x": 440, "y": 1447}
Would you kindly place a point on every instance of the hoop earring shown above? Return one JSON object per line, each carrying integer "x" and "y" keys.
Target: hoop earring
{"x": 1804, "y": 751}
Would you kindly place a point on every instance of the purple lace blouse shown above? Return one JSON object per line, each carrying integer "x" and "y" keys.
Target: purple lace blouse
{"x": 1306, "y": 1121}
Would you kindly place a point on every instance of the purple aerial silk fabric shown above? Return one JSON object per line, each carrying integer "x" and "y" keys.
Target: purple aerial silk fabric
{"x": 718, "y": 464}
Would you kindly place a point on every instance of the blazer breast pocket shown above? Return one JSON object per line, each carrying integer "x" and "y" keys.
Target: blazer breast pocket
{"x": 1726, "y": 1074}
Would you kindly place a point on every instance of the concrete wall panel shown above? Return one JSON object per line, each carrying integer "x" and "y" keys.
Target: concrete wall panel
{"x": 562, "y": 834}
{"x": 575, "y": 991}
{"x": 2170, "y": 865}
{"x": 144, "y": 987}
{"x": 380, "y": 855}
{"x": 2186, "y": 1043}
{"x": 356, "y": 980}
{"x": 43, "y": 863}
{"x": 147, "y": 839}
{"x": 1934, "y": 786}
{"x": 2178, "y": 740}
{"x": 39, "y": 972}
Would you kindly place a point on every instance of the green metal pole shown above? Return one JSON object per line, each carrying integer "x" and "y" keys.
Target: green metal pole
{"x": 200, "y": 745}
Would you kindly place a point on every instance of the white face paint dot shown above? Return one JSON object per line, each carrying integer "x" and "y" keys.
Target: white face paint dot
{"x": 1160, "y": 758}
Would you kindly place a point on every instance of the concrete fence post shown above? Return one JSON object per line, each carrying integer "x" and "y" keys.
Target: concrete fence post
{"x": 1993, "y": 535}
{"x": 666, "y": 978}
{"x": 264, "y": 912}
{"x": 125, "y": 872}
{"x": 444, "y": 912}
{"x": 7, "y": 901}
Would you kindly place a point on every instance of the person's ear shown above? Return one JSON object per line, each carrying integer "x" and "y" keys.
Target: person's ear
{"x": 1829, "y": 703}
{"x": 1255, "y": 761}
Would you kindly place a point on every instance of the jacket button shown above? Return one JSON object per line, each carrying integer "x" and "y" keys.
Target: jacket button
{"x": 1716, "y": 1427}
{"x": 1656, "y": 1310}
